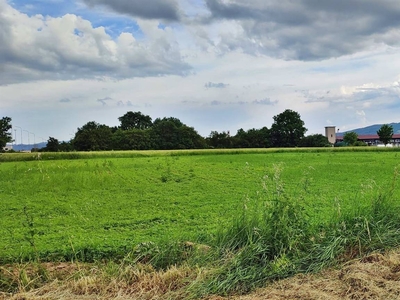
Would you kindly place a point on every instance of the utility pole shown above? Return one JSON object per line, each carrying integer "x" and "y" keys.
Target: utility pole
{"x": 28, "y": 137}
{"x": 34, "y": 137}
{"x": 21, "y": 133}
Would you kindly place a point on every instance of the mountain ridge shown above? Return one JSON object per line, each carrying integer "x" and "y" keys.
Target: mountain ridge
{"x": 372, "y": 129}
{"x": 22, "y": 147}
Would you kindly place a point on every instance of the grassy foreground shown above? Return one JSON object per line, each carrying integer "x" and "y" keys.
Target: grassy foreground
{"x": 232, "y": 222}
{"x": 375, "y": 276}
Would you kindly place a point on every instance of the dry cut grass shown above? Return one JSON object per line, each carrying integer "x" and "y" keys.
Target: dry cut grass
{"x": 376, "y": 276}
{"x": 71, "y": 281}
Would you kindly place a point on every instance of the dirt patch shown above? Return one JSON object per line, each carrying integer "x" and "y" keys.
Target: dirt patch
{"x": 375, "y": 276}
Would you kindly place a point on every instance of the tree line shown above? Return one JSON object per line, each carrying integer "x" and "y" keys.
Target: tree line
{"x": 139, "y": 132}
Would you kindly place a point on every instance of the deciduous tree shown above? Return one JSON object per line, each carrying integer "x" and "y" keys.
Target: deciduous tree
{"x": 288, "y": 129}
{"x": 171, "y": 133}
{"x": 385, "y": 133}
{"x": 221, "y": 139}
{"x": 315, "y": 140}
{"x": 350, "y": 138}
{"x": 92, "y": 137}
{"x": 252, "y": 138}
{"x": 53, "y": 145}
{"x": 5, "y": 134}
{"x": 134, "y": 139}
{"x": 135, "y": 120}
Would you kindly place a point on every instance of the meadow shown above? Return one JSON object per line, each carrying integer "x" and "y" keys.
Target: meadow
{"x": 103, "y": 207}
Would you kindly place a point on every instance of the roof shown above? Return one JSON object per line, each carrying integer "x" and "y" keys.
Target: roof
{"x": 371, "y": 137}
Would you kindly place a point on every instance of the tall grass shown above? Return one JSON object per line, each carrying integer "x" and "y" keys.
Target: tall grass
{"x": 274, "y": 237}
{"x": 357, "y": 229}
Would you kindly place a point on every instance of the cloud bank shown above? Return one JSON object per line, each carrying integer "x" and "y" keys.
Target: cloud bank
{"x": 306, "y": 29}
{"x": 154, "y": 9}
{"x": 69, "y": 47}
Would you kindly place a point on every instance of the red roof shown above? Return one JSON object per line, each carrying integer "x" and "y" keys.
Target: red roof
{"x": 370, "y": 137}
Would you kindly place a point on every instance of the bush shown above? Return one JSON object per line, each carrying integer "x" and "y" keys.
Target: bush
{"x": 360, "y": 143}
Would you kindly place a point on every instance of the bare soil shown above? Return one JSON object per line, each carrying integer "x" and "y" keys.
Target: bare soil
{"x": 376, "y": 276}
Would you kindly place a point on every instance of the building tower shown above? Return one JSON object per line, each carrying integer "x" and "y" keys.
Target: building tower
{"x": 330, "y": 133}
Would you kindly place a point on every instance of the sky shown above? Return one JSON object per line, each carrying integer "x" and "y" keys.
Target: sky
{"x": 214, "y": 64}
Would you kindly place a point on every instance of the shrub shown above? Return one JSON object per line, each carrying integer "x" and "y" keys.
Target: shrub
{"x": 360, "y": 143}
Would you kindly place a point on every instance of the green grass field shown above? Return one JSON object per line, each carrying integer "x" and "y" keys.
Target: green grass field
{"x": 102, "y": 207}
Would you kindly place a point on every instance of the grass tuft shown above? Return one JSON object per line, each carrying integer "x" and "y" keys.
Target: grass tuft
{"x": 274, "y": 237}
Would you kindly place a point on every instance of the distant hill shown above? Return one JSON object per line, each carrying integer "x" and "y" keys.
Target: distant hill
{"x": 372, "y": 129}
{"x": 21, "y": 147}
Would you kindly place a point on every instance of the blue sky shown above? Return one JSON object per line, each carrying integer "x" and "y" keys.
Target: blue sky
{"x": 214, "y": 64}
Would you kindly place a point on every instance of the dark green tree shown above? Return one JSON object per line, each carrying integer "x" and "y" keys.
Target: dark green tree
{"x": 135, "y": 120}
{"x": 350, "y": 138}
{"x": 65, "y": 147}
{"x": 315, "y": 140}
{"x": 240, "y": 140}
{"x": 252, "y": 138}
{"x": 5, "y": 134}
{"x": 385, "y": 133}
{"x": 259, "y": 138}
{"x": 134, "y": 139}
{"x": 221, "y": 139}
{"x": 120, "y": 140}
{"x": 190, "y": 139}
{"x": 53, "y": 145}
{"x": 287, "y": 130}
{"x": 171, "y": 133}
{"x": 92, "y": 137}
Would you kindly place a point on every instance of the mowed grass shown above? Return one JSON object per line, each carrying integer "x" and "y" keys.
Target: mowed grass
{"x": 102, "y": 208}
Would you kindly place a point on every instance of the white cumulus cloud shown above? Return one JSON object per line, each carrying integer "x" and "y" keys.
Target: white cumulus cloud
{"x": 69, "y": 47}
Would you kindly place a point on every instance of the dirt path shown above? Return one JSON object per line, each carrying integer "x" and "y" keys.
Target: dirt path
{"x": 373, "y": 277}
